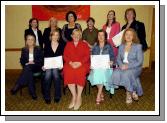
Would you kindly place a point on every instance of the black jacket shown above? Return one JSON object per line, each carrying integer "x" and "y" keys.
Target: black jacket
{"x": 40, "y": 38}
{"x": 141, "y": 33}
{"x": 38, "y": 56}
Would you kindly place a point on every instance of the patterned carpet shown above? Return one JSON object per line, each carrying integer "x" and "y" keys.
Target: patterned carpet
{"x": 116, "y": 103}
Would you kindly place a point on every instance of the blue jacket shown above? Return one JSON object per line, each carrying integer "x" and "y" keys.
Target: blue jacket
{"x": 107, "y": 49}
{"x": 135, "y": 56}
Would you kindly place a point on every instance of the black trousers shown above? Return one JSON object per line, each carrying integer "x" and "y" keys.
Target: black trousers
{"x": 26, "y": 78}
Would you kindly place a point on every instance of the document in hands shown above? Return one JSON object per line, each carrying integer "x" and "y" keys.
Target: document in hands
{"x": 53, "y": 62}
{"x": 100, "y": 61}
{"x": 117, "y": 39}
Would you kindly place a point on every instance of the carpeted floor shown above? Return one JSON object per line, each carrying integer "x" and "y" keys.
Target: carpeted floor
{"x": 116, "y": 103}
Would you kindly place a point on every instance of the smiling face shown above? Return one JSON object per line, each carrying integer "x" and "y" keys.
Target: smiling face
{"x": 34, "y": 24}
{"x": 130, "y": 15}
{"x": 90, "y": 24}
{"x": 55, "y": 36}
{"x": 76, "y": 36}
{"x": 30, "y": 41}
{"x": 101, "y": 37}
{"x": 53, "y": 22}
{"x": 129, "y": 36}
{"x": 71, "y": 17}
{"x": 110, "y": 15}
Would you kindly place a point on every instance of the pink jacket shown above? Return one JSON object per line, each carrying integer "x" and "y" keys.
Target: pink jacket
{"x": 114, "y": 30}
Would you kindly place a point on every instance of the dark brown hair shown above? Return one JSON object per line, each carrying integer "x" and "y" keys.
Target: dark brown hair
{"x": 30, "y": 21}
{"x": 105, "y": 36}
{"x": 73, "y": 13}
{"x": 114, "y": 19}
{"x": 130, "y": 9}
{"x": 135, "y": 37}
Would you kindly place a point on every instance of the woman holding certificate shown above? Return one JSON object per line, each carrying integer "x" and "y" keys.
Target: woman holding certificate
{"x": 77, "y": 64}
{"x": 54, "y": 50}
{"x": 101, "y": 76}
{"x": 112, "y": 27}
{"x": 130, "y": 60}
{"x": 31, "y": 61}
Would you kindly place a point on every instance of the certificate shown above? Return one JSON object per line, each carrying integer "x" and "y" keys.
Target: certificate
{"x": 117, "y": 39}
{"x": 100, "y": 61}
{"x": 53, "y": 62}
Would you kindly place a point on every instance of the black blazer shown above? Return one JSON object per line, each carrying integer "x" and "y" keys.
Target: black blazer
{"x": 46, "y": 35}
{"x": 40, "y": 38}
{"x": 140, "y": 30}
{"x": 38, "y": 56}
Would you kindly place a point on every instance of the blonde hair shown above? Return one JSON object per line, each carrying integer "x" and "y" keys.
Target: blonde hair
{"x": 32, "y": 35}
{"x": 135, "y": 37}
{"x": 52, "y": 19}
{"x": 52, "y": 33}
{"x": 77, "y": 30}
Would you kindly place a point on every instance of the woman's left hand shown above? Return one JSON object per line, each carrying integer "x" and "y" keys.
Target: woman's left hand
{"x": 124, "y": 67}
{"x": 76, "y": 64}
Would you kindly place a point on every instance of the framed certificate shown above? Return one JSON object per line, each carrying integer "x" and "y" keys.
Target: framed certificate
{"x": 53, "y": 62}
{"x": 100, "y": 61}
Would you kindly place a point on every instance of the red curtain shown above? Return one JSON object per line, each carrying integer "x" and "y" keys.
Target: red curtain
{"x": 44, "y": 12}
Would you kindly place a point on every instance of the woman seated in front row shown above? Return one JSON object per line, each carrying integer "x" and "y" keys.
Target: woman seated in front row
{"x": 31, "y": 60}
{"x": 130, "y": 60}
{"x": 76, "y": 57}
{"x": 101, "y": 77}
{"x": 53, "y": 49}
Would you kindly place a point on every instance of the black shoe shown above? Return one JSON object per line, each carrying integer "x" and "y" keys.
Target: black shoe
{"x": 57, "y": 100}
{"x": 13, "y": 92}
{"x": 48, "y": 101}
{"x": 34, "y": 97}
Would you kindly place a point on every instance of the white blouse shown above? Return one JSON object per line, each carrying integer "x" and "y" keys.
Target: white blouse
{"x": 125, "y": 60}
{"x": 108, "y": 32}
{"x": 36, "y": 35}
{"x": 31, "y": 57}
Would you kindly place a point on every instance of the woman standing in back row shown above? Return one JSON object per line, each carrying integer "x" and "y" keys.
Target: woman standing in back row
{"x": 112, "y": 27}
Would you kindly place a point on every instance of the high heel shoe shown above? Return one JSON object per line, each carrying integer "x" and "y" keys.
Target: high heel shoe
{"x": 98, "y": 100}
{"x": 71, "y": 105}
{"x": 76, "y": 107}
{"x": 128, "y": 98}
{"x": 135, "y": 96}
{"x": 102, "y": 97}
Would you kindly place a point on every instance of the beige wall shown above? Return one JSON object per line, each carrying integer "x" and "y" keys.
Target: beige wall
{"x": 17, "y": 17}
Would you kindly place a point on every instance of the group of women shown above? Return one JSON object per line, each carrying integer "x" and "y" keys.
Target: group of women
{"x": 76, "y": 47}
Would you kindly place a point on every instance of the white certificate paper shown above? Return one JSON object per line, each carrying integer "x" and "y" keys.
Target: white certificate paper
{"x": 100, "y": 61}
{"x": 53, "y": 62}
{"x": 117, "y": 39}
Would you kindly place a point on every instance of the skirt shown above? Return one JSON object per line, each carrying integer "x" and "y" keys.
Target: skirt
{"x": 128, "y": 79}
{"x": 101, "y": 77}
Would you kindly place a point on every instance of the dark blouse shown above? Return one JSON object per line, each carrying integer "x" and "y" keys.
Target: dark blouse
{"x": 66, "y": 32}
{"x": 48, "y": 51}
